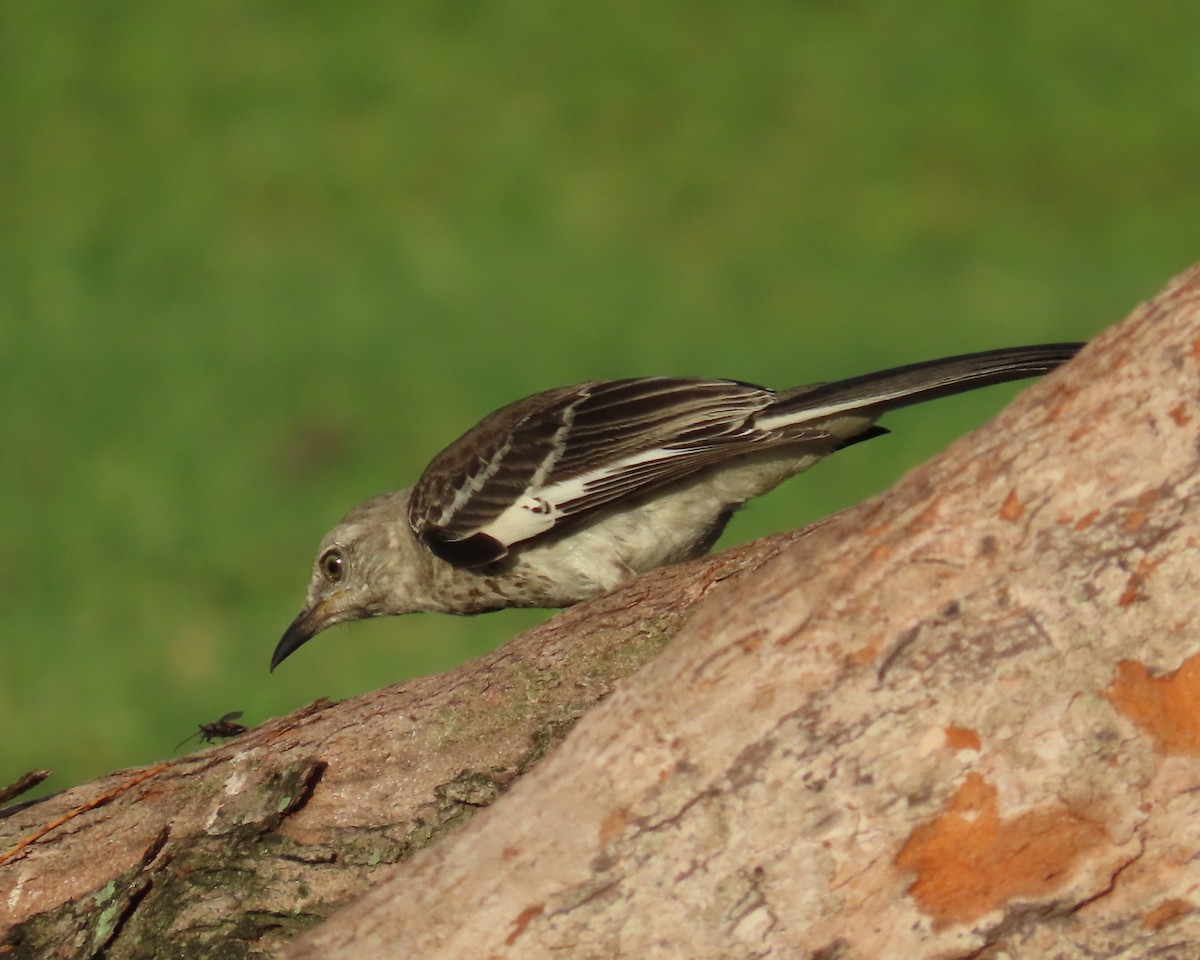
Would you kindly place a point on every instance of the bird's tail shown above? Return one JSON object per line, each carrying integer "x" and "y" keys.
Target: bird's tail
{"x": 873, "y": 394}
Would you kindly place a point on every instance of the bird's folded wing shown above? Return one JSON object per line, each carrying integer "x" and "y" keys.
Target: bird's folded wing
{"x": 561, "y": 454}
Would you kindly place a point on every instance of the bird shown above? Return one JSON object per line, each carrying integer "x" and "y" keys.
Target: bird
{"x": 568, "y": 493}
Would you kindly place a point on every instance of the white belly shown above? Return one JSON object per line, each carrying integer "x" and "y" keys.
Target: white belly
{"x": 669, "y": 525}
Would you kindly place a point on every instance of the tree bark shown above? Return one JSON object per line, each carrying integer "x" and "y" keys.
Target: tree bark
{"x": 231, "y": 851}
{"x": 958, "y": 720}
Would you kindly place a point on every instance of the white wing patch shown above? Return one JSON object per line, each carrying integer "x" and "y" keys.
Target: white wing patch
{"x": 539, "y": 509}
{"x": 849, "y": 405}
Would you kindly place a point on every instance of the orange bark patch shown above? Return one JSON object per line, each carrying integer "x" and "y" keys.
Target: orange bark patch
{"x": 1165, "y": 912}
{"x": 524, "y": 918}
{"x": 613, "y": 825}
{"x": 1087, "y": 520}
{"x": 1165, "y": 708}
{"x": 1135, "y": 586}
{"x": 1136, "y": 518}
{"x": 1013, "y": 510}
{"x": 1180, "y": 415}
{"x": 969, "y": 861}
{"x": 960, "y": 738}
{"x": 863, "y": 656}
{"x": 882, "y": 553}
{"x": 1081, "y": 431}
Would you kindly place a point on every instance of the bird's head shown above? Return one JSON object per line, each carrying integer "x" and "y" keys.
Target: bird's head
{"x": 369, "y": 565}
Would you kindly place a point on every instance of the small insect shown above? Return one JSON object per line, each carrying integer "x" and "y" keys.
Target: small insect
{"x": 218, "y": 729}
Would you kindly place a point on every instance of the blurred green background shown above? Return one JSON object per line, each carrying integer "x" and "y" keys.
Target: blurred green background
{"x": 260, "y": 261}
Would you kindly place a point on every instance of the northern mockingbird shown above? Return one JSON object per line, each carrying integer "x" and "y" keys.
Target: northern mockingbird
{"x": 565, "y": 494}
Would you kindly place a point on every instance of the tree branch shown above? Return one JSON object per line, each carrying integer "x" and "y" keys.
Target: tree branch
{"x": 956, "y": 719}
{"x": 246, "y": 843}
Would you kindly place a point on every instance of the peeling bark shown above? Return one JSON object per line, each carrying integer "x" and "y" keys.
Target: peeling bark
{"x": 958, "y": 720}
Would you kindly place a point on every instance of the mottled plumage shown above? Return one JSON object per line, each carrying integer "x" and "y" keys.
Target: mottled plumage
{"x": 565, "y": 494}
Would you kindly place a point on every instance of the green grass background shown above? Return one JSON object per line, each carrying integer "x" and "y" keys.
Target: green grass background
{"x": 260, "y": 261}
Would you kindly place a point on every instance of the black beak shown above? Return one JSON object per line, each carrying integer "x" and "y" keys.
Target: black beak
{"x": 306, "y": 626}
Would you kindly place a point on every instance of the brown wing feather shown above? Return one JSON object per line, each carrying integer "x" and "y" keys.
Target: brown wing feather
{"x": 554, "y": 437}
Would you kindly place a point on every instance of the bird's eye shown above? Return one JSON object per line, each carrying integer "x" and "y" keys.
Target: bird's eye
{"x": 332, "y": 564}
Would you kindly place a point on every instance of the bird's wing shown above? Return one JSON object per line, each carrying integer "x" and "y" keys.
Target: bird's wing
{"x": 562, "y": 454}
